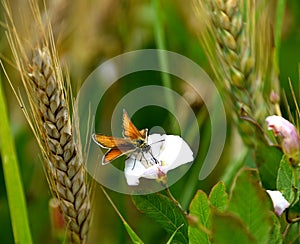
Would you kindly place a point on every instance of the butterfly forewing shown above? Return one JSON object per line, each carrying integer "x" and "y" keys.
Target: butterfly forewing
{"x": 144, "y": 133}
{"x": 129, "y": 130}
{"x": 122, "y": 144}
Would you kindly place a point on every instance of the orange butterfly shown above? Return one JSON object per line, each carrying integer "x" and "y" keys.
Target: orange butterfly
{"x": 134, "y": 141}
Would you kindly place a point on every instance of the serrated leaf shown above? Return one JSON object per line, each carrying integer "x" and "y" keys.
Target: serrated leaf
{"x": 161, "y": 209}
{"x": 267, "y": 160}
{"x": 218, "y": 196}
{"x": 250, "y": 202}
{"x": 275, "y": 235}
{"x": 228, "y": 229}
{"x": 200, "y": 208}
{"x": 286, "y": 180}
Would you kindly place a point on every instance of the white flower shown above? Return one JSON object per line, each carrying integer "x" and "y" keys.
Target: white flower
{"x": 287, "y": 131}
{"x": 279, "y": 202}
{"x": 167, "y": 152}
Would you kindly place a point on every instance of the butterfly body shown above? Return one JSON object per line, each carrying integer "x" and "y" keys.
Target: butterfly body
{"x": 134, "y": 142}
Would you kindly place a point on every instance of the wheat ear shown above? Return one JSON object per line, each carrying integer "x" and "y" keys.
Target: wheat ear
{"x": 49, "y": 117}
{"x": 229, "y": 39}
{"x": 66, "y": 170}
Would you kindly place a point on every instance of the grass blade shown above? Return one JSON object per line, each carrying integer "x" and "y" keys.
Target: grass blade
{"x": 278, "y": 27}
{"x": 14, "y": 187}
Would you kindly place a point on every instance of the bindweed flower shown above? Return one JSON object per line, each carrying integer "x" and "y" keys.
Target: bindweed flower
{"x": 287, "y": 131}
{"x": 279, "y": 202}
{"x": 167, "y": 152}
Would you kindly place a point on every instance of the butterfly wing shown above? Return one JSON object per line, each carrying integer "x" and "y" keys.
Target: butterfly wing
{"x": 122, "y": 144}
{"x": 111, "y": 155}
{"x": 144, "y": 133}
{"x": 130, "y": 131}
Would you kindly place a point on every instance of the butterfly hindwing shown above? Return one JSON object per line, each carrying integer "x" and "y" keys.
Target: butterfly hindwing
{"x": 111, "y": 155}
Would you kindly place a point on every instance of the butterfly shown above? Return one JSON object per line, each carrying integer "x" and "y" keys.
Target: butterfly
{"x": 134, "y": 142}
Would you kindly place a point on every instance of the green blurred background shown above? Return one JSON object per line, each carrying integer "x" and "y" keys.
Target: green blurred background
{"x": 88, "y": 33}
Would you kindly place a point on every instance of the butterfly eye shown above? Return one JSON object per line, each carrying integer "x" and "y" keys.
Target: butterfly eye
{"x": 140, "y": 142}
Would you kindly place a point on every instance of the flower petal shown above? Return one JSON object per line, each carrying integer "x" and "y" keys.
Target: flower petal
{"x": 169, "y": 150}
{"x": 176, "y": 152}
{"x": 279, "y": 202}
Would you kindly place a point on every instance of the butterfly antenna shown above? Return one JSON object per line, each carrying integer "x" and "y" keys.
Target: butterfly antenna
{"x": 157, "y": 142}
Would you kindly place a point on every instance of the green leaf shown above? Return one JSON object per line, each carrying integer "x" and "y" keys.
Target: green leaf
{"x": 13, "y": 181}
{"x": 228, "y": 229}
{"x": 200, "y": 208}
{"x": 165, "y": 212}
{"x": 275, "y": 236}
{"x": 250, "y": 202}
{"x": 286, "y": 180}
{"x": 293, "y": 234}
{"x": 267, "y": 160}
{"x": 218, "y": 196}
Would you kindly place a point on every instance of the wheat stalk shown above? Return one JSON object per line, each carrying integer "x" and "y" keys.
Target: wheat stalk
{"x": 229, "y": 38}
{"x": 49, "y": 117}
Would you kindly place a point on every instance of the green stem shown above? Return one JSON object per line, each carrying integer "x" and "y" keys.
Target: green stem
{"x": 12, "y": 177}
{"x": 161, "y": 44}
{"x": 233, "y": 168}
{"x": 174, "y": 200}
{"x": 279, "y": 17}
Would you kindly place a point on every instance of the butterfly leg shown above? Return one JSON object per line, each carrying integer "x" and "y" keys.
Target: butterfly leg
{"x": 153, "y": 158}
{"x": 134, "y": 163}
{"x": 134, "y": 160}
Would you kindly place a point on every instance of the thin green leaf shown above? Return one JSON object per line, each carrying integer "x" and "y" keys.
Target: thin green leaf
{"x": 13, "y": 181}
{"x": 172, "y": 236}
{"x": 218, "y": 196}
{"x": 228, "y": 229}
{"x": 250, "y": 202}
{"x": 133, "y": 236}
{"x": 200, "y": 208}
{"x": 161, "y": 209}
{"x": 286, "y": 180}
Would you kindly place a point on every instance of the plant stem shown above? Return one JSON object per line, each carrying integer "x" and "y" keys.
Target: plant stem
{"x": 173, "y": 199}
